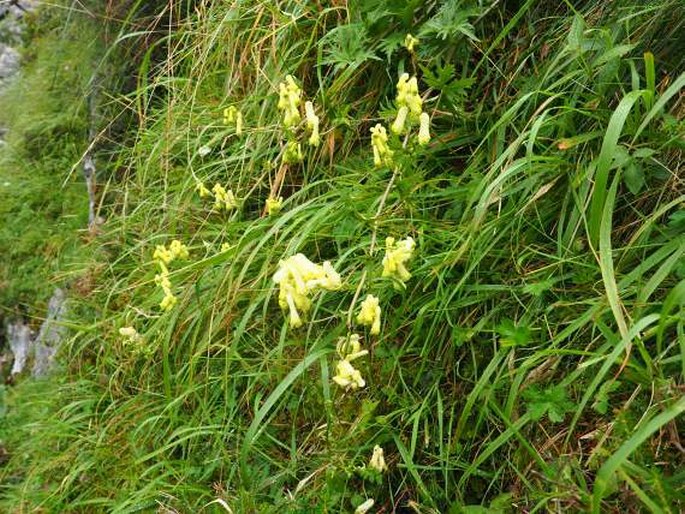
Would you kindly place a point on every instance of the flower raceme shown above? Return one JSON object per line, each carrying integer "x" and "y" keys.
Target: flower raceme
{"x": 233, "y": 116}
{"x": 164, "y": 256}
{"x": 274, "y": 205}
{"x": 312, "y": 124}
{"x": 298, "y": 278}
{"x": 347, "y": 376}
{"x": 396, "y": 256}
{"x": 223, "y": 199}
{"x": 290, "y": 96}
{"x": 379, "y": 142}
{"x": 370, "y": 314}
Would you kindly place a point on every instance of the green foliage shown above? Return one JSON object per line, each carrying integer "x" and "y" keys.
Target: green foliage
{"x": 533, "y": 361}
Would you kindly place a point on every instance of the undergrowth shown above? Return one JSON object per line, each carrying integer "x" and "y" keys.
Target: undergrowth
{"x": 531, "y": 358}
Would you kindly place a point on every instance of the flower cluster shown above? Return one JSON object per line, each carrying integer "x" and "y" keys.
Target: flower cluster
{"x": 233, "y": 116}
{"x": 379, "y": 142}
{"x": 163, "y": 256}
{"x": 223, "y": 199}
{"x": 347, "y": 375}
{"x": 298, "y": 278}
{"x": 273, "y": 205}
{"x": 396, "y": 256}
{"x": 410, "y": 42}
{"x": 410, "y": 109}
{"x": 370, "y": 314}
{"x": 290, "y": 97}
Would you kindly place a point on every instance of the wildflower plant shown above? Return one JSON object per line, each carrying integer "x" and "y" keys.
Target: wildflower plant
{"x": 164, "y": 256}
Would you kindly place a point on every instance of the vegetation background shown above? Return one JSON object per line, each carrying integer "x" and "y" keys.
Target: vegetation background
{"x": 534, "y": 362}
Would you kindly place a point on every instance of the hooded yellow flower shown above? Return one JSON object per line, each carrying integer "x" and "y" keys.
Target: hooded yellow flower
{"x": 347, "y": 376}
{"x": 290, "y": 96}
{"x": 377, "y": 461}
{"x": 298, "y": 277}
{"x": 379, "y": 142}
{"x": 396, "y": 257}
{"x": 370, "y": 314}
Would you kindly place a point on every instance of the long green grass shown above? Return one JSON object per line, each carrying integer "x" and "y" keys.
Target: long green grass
{"x": 535, "y": 360}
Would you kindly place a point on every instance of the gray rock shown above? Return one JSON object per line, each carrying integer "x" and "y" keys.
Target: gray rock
{"x": 26, "y": 346}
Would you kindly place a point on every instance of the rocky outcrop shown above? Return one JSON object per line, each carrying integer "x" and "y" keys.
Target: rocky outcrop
{"x": 38, "y": 351}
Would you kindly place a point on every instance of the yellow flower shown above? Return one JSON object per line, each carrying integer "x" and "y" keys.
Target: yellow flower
{"x": 312, "y": 123}
{"x": 233, "y": 115}
{"x": 410, "y": 42}
{"x": 350, "y": 348}
{"x": 162, "y": 280}
{"x": 408, "y": 95}
{"x": 424, "y": 129}
{"x": 239, "y": 123}
{"x": 290, "y": 96}
{"x": 225, "y": 247}
{"x": 347, "y": 376}
{"x": 178, "y": 250}
{"x": 200, "y": 187}
{"x": 230, "y": 114}
{"x": 396, "y": 256}
{"x": 299, "y": 277}
{"x": 223, "y": 199}
{"x": 273, "y": 205}
{"x": 377, "y": 461}
{"x": 168, "y": 302}
{"x": 398, "y": 126}
{"x": 293, "y": 152}
{"x": 364, "y": 507}
{"x": 370, "y": 314}
{"x": 162, "y": 254}
{"x": 379, "y": 142}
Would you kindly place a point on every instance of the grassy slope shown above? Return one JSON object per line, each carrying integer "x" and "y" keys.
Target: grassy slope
{"x": 534, "y": 361}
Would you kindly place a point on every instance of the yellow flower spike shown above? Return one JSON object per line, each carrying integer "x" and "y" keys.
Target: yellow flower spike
{"x": 178, "y": 250}
{"x": 312, "y": 123}
{"x": 168, "y": 302}
{"x": 379, "y": 142}
{"x": 410, "y": 42}
{"x": 350, "y": 348}
{"x": 293, "y": 152}
{"x": 273, "y": 205}
{"x": 162, "y": 280}
{"x": 398, "y": 126}
{"x": 396, "y": 256}
{"x": 290, "y": 96}
{"x": 202, "y": 190}
{"x": 298, "y": 277}
{"x": 225, "y": 247}
{"x": 230, "y": 114}
{"x": 162, "y": 255}
{"x": 223, "y": 199}
{"x": 377, "y": 461}
{"x": 424, "y": 129}
{"x": 347, "y": 376}
{"x": 408, "y": 96}
{"x": 370, "y": 314}
{"x": 239, "y": 123}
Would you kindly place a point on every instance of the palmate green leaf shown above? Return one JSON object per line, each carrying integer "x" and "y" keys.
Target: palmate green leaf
{"x": 347, "y": 46}
{"x": 511, "y": 334}
{"x": 551, "y": 401}
{"x": 451, "y": 21}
